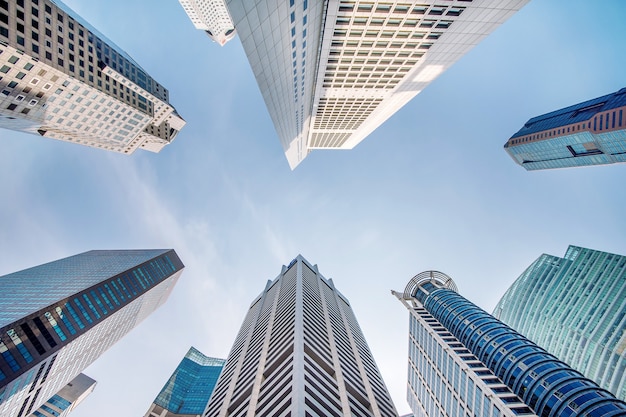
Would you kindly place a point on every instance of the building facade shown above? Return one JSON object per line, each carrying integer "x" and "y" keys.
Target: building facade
{"x": 331, "y": 72}
{"x": 575, "y": 308}
{"x": 188, "y": 390}
{"x": 212, "y": 17}
{"x": 300, "y": 352}
{"x": 465, "y": 362}
{"x": 589, "y": 133}
{"x": 60, "y": 78}
{"x": 67, "y": 399}
{"x": 57, "y": 318}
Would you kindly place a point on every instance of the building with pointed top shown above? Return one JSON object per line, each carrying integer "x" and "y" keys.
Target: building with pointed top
{"x": 300, "y": 352}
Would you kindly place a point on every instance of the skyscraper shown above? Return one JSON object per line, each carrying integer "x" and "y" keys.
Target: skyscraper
{"x": 300, "y": 352}
{"x": 575, "y": 308}
{"x": 57, "y": 318}
{"x": 331, "y": 72}
{"x": 589, "y": 133}
{"x": 188, "y": 390}
{"x": 60, "y": 78}
{"x": 465, "y": 362}
{"x": 212, "y": 17}
{"x": 67, "y": 399}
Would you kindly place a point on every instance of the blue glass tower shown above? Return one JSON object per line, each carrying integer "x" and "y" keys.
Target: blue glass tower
{"x": 57, "y": 318}
{"x": 463, "y": 361}
{"x": 189, "y": 389}
{"x": 589, "y": 133}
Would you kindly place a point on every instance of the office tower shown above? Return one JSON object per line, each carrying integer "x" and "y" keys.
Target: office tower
{"x": 212, "y": 17}
{"x": 331, "y": 72}
{"x": 465, "y": 362}
{"x": 66, "y": 400}
{"x": 589, "y": 133}
{"x": 57, "y": 318}
{"x": 188, "y": 390}
{"x": 60, "y": 78}
{"x": 300, "y": 352}
{"x": 575, "y": 308}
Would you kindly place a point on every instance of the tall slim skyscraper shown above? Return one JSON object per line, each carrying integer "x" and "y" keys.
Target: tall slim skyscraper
{"x": 589, "y": 133}
{"x": 57, "y": 318}
{"x": 300, "y": 352}
{"x": 188, "y": 390}
{"x": 67, "y": 399}
{"x": 331, "y": 72}
{"x": 60, "y": 78}
{"x": 575, "y": 308}
{"x": 465, "y": 362}
{"x": 212, "y": 17}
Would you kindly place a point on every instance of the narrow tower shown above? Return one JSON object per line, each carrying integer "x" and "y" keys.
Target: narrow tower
{"x": 463, "y": 361}
{"x": 300, "y": 352}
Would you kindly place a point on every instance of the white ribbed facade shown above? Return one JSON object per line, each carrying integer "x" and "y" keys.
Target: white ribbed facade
{"x": 332, "y": 71}
{"x": 300, "y": 352}
{"x": 212, "y": 17}
{"x": 60, "y": 78}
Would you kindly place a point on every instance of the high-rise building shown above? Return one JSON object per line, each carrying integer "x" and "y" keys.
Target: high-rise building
{"x": 331, "y": 72}
{"x": 465, "y": 362}
{"x": 60, "y": 78}
{"x": 300, "y": 352}
{"x": 63, "y": 402}
{"x": 57, "y": 318}
{"x": 575, "y": 308}
{"x": 187, "y": 392}
{"x": 589, "y": 133}
{"x": 212, "y": 17}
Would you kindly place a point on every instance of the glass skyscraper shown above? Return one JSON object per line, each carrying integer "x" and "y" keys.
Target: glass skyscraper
{"x": 61, "y": 78}
{"x": 57, "y": 318}
{"x": 188, "y": 390}
{"x": 589, "y": 133}
{"x": 300, "y": 352}
{"x": 464, "y": 362}
{"x": 575, "y": 308}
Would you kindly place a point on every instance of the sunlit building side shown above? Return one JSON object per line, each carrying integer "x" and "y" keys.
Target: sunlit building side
{"x": 60, "y": 78}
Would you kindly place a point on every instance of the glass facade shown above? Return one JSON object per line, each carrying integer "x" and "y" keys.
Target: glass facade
{"x": 64, "y": 401}
{"x": 464, "y": 362}
{"x": 575, "y": 308}
{"x": 188, "y": 390}
{"x": 55, "y": 319}
{"x": 588, "y": 133}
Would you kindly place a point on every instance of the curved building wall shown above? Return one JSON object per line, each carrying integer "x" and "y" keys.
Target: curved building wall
{"x": 547, "y": 385}
{"x": 575, "y": 308}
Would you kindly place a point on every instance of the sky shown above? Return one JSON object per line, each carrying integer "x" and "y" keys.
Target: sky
{"x": 432, "y": 188}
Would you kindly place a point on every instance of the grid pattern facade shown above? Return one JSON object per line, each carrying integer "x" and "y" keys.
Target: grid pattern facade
{"x": 211, "y": 16}
{"x": 331, "y": 72}
{"x": 61, "y": 78}
{"x": 575, "y": 308}
{"x": 300, "y": 352}
{"x": 188, "y": 390}
{"x": 463, "y": 361}
{"x": 588, "y": 133}
{"x": 41, "y": 351}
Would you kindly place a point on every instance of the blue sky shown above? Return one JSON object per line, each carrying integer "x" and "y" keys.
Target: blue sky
{"x": 432, "y": 188}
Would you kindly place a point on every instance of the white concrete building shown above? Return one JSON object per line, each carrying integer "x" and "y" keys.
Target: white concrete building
{"x": 60, "y": 78}
{"x": 332, "y": 71}
{"x": 300, "y": 352}
{"x": 212, "y": 17}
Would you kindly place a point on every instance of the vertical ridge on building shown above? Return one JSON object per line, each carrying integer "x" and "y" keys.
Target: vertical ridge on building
{"x": 300, "y": 351}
